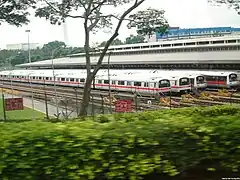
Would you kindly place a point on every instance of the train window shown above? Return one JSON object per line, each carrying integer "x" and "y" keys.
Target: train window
{"x": 200, "y": 80}
{"x": 184, "y": 81}
{"x": 137, "y": 83}
{"x": 166, "y": 45}
{"x": 77, "y": 80}
{"x": 222, "y": 78}
{"x": 120, "y": 82}
{"x": 62, "y": 79}
{"x": 164, "y": 83}
{"x": 231, "y": 41}
{"x": 82, "y": 80}
{"x": 67, "y": 79}
{"x": 47, "y": 78}
{"x": 72, "y": 79}
{"x": 40, "y": 78}
{"x": 33, "y": 77}
{"x": 99, "y": 81}
{"x": 113, "y": 82}
{"x": 190, "y": 43}
{"x": 203, "y": 42}
{"x": 217, "y": 42}
{"x": 146, "y": 84}
{"x": 232, "y": 77}
{"x": 129, "y": 83}
{"x": 106, "y": 81}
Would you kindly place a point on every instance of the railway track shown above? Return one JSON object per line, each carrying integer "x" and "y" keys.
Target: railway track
{"x": 76, "y": 93}
{"x": 39, "y": 93}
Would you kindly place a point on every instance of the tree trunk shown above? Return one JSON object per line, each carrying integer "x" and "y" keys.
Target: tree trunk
{"x": 86, "y": 96}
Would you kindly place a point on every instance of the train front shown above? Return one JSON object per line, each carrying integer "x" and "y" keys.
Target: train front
{"x": 164, "y": 86}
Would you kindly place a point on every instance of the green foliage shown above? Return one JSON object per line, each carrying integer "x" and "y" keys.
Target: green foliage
{"x": 148, "y": 22}
{"x": 15, "y": 12}
{"x": 122, "y": 146}
{"x": 134, "y": 39}
{"x": 15, "y": 57}
{"x": 129, "y": 40}
{"x": 114, "y": 42}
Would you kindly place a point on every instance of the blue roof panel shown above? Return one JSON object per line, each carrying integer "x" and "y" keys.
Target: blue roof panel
{"x": 175, "y": 31}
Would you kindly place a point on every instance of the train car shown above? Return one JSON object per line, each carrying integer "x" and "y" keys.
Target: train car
{"x": 136, "y": 84}
{"x": 142, "y": 84}
{"x": 179, "y": 83}
{"x": 197, "y": 80}
{"x": 221, "y": 79}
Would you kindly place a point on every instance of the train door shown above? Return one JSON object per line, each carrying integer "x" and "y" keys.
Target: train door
{"x": 152, "y": 87}
{"x": 129, "y": 86}
{"x": 113, "y": 84}
{"x": 146, "y": 87}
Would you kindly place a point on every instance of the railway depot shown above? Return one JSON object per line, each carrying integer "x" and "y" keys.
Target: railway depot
{"x": 152, "y": 75}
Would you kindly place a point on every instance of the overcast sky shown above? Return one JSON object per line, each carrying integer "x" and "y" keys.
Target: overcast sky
{"x": 180, "y": 13}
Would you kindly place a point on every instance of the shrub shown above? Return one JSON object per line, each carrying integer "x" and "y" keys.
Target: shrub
{"x": 126, "y": 149}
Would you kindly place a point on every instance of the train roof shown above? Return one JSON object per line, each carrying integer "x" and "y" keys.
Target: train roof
{"x": 132, "y": 78}
{"x": 217, "y": 73}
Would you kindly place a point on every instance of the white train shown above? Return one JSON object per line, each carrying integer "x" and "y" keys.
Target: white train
{"x": 142, "y": 83}
{"x": 199, "y": 79}
{"x": 76, "y": 78}
{"x": 222, "y": 79}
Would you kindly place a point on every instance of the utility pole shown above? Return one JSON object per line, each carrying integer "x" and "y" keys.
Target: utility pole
{"x": 109, "y": 85}
{"x": 29, "y": 53}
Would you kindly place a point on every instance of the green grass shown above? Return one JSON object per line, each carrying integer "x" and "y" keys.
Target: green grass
{"x": 25, "y": 114}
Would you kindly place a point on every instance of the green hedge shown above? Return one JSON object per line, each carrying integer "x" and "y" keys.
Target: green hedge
{"x": 129, "y": 146}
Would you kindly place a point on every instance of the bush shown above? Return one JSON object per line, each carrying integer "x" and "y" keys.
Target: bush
{"x": 123, "y": 146}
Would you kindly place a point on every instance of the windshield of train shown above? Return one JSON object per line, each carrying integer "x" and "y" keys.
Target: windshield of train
{"x": 200, "y": 80}
{"x": 164, "y": 83}
{"x": 184, "y": 81}
{"x": 232, "y": 77}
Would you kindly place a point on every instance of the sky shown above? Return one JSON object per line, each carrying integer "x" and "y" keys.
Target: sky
{"x": 179, "y": 13}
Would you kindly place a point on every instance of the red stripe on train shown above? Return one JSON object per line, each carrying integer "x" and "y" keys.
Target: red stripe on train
{"x": 217, "y": 82}
{"x": 113, "y": 86}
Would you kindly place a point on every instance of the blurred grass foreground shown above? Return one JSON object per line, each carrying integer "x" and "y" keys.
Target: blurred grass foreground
{"x": 189, "y": 143}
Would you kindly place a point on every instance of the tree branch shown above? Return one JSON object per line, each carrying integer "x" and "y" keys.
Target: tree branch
{"x": 96, "y": 7}
{"x": 99, "y": 63}
{"x": 71, "y": 16}
{"x": 58, "y": 11}
{"x": 93, "y": 24}
{"x": 89, "y": 8}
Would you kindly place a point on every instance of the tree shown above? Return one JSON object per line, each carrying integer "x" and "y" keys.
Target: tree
{"x": 149, "y": 22}
{"x": 134, "y": 39}
{"x": 234, "y": 4}
{"x": 38, "y": 54}
{"x": 17, "y": 59}
{"x": 14, "y": 12}
{"x": 114, "y": 42}
{"x": 58, "y": 46}
{"x": 94, "y": 17}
